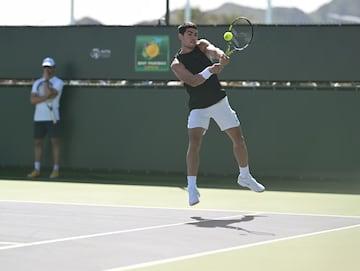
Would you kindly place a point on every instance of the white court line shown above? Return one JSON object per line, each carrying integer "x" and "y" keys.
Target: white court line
{"x": 171, "y": 208}
{"x": 44, "y": 242}
{"x": 10, "y": 243}
{"x": 152, "y": 263}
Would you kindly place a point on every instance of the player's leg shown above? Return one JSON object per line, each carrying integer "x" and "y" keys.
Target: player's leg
{"x": 38, "y": 146}
{"x": 55, "y": 143}
{"x": 198, "y": 123}
{"x": 193, "y": 151}
{"x": 228, "y": 121}
{"x": 38, "y": 143}
{"x": 239, "y": 145}
{"x": 245, "y": 179}
{"x": 192, "y": 162}
{"x": 39, "y": 134}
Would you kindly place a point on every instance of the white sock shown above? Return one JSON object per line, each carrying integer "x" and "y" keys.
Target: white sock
{"x": 244, "y": 171}
{"x": 56, "y": 167}
{"x": 191, "y": 181}
{"x": 37, "y": 166}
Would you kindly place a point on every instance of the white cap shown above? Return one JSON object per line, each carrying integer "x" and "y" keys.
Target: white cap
{"x": 48, "y": 62}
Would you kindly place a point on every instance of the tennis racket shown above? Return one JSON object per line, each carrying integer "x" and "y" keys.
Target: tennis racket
{"x": 242, "y": 31}
{"x": 50, "y": 106}
{"x": 41, "y": 91}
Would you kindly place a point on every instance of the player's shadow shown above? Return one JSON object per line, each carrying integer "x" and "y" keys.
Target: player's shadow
{"x": 227, "y": 224}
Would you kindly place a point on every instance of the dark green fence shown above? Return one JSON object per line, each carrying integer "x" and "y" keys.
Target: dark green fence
{"x": 309, "y": 133}
{"x": 278, "y": 53}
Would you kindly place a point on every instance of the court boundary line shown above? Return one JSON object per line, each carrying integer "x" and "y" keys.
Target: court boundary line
{"x": 207, "y": 253}
{"x": 86, "y": 236}
{"x": 176, "y": 208}
{"x": 10, "y": 243}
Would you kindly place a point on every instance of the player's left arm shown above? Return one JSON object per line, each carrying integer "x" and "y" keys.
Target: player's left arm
{"x": 183, "y": 74}
{"x": 214, "y": 52}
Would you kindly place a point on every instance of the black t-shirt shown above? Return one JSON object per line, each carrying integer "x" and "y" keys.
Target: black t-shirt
{"x": 208, "y": 93}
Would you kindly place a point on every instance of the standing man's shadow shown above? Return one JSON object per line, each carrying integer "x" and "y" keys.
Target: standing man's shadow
{"x": 226, "y": 223}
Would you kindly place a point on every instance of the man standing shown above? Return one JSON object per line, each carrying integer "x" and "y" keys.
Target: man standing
{"x": 192, "y": 65}
{"x": 45, "y": 95}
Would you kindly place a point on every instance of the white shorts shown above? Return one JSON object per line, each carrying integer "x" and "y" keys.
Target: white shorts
{"x": 222, "y": 113}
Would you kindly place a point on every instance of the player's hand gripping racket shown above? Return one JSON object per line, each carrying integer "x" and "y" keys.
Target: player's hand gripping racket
{"x": 239, "y": 35}
{"x": 49, "y": 103}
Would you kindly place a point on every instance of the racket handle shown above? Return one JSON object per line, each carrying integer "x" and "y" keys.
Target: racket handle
{"x": 53, "y": 117}
{"x": 229, "y": 52}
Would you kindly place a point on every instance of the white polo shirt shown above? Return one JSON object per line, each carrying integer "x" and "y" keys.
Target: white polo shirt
{"x": 42, "y": 111}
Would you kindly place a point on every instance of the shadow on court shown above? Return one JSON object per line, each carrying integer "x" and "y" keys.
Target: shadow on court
{"x": 228, "y": 224}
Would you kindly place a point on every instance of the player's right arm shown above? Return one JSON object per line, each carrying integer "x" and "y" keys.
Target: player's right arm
{"x": 35, "y": 98}
{"x": 183, "y": 74}
{"x": 214, "y": 52}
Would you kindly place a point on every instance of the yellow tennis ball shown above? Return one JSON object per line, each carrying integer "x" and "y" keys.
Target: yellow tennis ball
{"x": 228, "y": 36}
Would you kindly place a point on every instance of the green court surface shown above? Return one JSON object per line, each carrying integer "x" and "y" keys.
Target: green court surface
{"x": 329, "y": 250}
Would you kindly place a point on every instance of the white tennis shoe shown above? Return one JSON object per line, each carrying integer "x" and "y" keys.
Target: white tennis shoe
{"x": 194, "y": 195}
{"x": 250, "y": 182}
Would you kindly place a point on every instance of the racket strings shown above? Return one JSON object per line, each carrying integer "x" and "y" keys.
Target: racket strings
{"x": 242, "y": 35}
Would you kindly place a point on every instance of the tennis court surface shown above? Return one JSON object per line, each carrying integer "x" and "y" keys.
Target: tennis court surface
{"x": 39, "y": 236}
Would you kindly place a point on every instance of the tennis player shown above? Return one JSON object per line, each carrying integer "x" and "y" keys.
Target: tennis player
{"x": 45, "y": 95}
{"x": 192, "y": 65}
